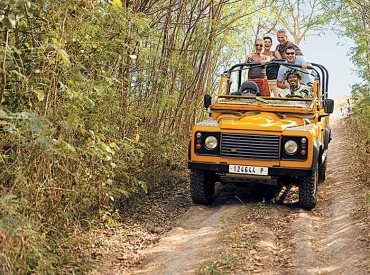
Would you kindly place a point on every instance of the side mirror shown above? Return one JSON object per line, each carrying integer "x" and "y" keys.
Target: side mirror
{"x": 207, "y": 101}
{"x": 329, "y": 106}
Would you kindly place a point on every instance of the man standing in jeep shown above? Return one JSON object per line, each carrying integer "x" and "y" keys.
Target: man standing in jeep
{"x": 284, "y": 43}
{"x": 291, "y": 58}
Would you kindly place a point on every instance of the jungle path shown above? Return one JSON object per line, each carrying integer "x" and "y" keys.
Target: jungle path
{"x": 246, "y": 231}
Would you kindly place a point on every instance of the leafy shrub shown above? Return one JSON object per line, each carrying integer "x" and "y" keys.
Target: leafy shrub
{"x": 55, "y": 185}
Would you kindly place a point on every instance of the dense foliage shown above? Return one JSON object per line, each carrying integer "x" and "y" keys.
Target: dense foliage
{"x": 97, "y": 98}
{"x": 96, "y": 102}
{"x": 354, "y": 17}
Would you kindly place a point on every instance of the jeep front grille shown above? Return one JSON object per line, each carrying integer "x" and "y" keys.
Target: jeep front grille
{"x": 250, "y": 146}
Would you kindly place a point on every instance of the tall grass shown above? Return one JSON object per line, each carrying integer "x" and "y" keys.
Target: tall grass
{"x": 359, "y": 131}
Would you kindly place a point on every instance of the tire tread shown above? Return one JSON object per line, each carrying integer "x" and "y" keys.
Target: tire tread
{"x": 202, "y": 187}
{"x": 308, "y": 191}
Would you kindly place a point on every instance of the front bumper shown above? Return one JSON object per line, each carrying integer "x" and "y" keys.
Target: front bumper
{"x": 272, "y": 171}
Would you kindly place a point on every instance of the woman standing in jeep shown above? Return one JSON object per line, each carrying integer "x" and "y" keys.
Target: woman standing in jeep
{"x": 257, "y": 73}
{"x": 272, "y": 69}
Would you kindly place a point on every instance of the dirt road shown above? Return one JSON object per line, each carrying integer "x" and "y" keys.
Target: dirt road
{"x": 246, "y": 232}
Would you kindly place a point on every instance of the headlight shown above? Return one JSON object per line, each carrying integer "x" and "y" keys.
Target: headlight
{"x": 291, "y": 147}
{"x": 207, "y": 143}
{"x": 210, "y": 142}
{"x": 294, "y": 148}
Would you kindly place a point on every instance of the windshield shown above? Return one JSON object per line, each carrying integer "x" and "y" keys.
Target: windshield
{"x": 267, "y": 101}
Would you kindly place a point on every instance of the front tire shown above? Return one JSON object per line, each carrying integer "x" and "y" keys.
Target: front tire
{"x": 308, "y": 190}
{"x": 202, "y": 187}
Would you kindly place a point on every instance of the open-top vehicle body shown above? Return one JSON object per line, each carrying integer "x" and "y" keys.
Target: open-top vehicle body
{"x": 250, "y": 138}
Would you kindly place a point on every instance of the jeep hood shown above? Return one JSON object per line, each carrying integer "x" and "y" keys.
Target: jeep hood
{"x": 258, "y": 121}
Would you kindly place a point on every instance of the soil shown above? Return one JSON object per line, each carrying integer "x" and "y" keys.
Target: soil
{"x": 253, "y": 230}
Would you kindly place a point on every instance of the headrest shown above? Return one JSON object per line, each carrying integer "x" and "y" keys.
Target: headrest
{"x": 249, "y": 88}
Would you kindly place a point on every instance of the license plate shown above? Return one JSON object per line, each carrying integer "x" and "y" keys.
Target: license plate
{"x": 249, "y": 170}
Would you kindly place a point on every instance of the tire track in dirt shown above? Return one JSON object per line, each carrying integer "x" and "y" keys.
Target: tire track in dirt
{"x": 186, "y": 247}
{"x": 329, "y": 239}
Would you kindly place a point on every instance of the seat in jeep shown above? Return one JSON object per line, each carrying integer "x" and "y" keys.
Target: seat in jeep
{"x": 249, "y": 88}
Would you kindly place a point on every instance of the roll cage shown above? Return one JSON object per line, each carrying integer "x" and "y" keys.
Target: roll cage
{"x": 321, "y": 73}
{"x": 318, "y": 71}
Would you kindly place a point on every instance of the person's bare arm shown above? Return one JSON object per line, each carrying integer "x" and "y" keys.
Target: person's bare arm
{"x": 282, "y": 85}
{"x": 249, "y": 58}
{"x": 305, "y": 65}
{"x": 278, "y": 55}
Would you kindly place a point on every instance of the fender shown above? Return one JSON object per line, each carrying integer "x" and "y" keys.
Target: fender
{"x": 327, "y": 137}
{"x": 316, "y": 152}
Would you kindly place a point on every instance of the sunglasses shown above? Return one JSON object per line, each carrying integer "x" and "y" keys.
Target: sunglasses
{"x": 259, "y": 45}
{"x": 289, "y": 53}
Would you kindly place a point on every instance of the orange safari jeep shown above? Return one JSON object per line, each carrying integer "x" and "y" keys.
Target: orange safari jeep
{"x": 253, "y": 138}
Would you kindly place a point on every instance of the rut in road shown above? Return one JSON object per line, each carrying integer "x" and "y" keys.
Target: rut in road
{"x": 246, "y": 232}
{"x": 188, "y": 245}
{"x": 332, "y": 239}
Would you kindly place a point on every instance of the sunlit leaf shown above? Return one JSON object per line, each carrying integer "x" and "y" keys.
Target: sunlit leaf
{"x": 64, "y": 57}
{"x": 117, "y": 3}
{"x": 9, "y": 22}
{"x": 108, "y": 158}
{"x": 40, "y": 94}
{"x": 11, "y": 197}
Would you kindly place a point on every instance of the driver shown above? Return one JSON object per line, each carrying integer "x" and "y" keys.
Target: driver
{"x": 294, "y": 77}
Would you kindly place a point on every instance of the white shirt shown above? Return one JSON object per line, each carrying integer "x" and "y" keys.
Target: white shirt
{"x": 299, "y": 60}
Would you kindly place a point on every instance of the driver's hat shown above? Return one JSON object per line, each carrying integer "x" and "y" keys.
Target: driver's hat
{"x": 292, "y": 71}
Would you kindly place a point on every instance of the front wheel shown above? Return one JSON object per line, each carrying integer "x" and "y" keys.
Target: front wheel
{"x": 202, "y": 187}
{"x": 308, "y": 190}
